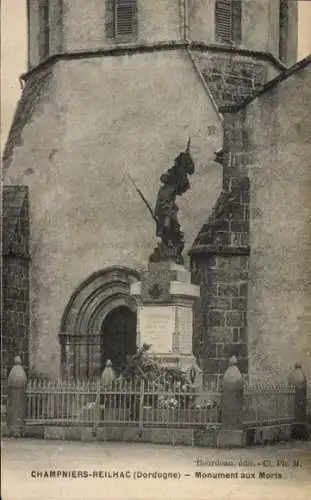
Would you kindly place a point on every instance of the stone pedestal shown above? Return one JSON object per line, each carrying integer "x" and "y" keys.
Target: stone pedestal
{"x": 231, "y": 433}
{"x": 16, "y": 410}
{"x": 165, "y": 298}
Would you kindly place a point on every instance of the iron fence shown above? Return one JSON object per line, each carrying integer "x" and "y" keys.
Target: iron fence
{"x": 143, "y": 403}
{"x": 264, "y": 413}
{"x": 266, "y": 405}
{"x": 88, "y": 402}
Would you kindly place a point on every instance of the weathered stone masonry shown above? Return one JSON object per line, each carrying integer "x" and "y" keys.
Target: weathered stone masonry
{"x": 219, "y": 262}
{"x": 33, "y": 93}
{"x": 15, "y": 277}
{"x": 231, "y": 77}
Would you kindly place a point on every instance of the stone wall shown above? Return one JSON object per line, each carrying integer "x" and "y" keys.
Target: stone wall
{"x": 266, "y": 150}
{"x": 233, "y": 77}
{"x": 221, "y": 324}
{"x": 219, "y": 259}
{"x": 34, "y": 35}
{"x": 86, "y": 122}
{"x": 15, "y": 322}
{"x": 15, "y": 278}
{"x": 31, "y": 102}
{"x": 100, "y": 120}
{"x": 277, "y": 159}
{"x": 83, "y": 26}
{"x": 260, "y": 25}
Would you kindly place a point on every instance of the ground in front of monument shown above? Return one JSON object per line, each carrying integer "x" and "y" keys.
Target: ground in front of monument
{"x": 36, "y": 469}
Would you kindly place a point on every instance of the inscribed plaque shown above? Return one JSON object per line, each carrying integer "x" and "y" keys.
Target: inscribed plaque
{"x": 156, "y": 327}
{"x": 185, "y": 329}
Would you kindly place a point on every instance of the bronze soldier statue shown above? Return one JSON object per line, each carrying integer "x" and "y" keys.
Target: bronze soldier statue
{"x": 175, "y": 182}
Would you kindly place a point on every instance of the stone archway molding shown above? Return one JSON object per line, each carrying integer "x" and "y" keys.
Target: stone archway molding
{"x": 95, "y": 297}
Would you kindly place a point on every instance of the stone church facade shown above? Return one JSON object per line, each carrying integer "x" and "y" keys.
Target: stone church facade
{"x": 252, "y": 257}
{"x": 113, "y": 90}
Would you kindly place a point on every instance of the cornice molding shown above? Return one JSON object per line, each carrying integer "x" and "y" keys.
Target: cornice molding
{"x": 131, "y": 49}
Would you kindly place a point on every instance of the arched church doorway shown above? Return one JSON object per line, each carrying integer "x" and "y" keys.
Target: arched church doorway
{"x": 118, "y": 337}
{"x": 99, "y": 323}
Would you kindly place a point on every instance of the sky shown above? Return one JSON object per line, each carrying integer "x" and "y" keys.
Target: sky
{"x": 13, "y": 52}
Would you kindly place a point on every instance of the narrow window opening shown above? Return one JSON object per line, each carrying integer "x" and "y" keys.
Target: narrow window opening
{"x": 228, "y": 18}
{"x": 44, "y": 39}
{"x": 125, "y": 13}
{"x": 283, "y": 26}
{"x": 121, "y": 19}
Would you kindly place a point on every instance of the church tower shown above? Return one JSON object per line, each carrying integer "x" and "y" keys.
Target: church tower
{"x": 113, "y": 90}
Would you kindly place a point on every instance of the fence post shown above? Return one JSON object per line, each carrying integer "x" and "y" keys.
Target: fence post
{"x": 107, "y": 379}
{"x": 108, "y": 375}
{"x": 17, "y": 384}
{"x": 231, "y": 433}
{"x": 141, "y": 408}
{"x": 298, "y": 380}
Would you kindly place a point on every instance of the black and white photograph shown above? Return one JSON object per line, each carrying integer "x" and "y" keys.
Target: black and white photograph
{"x": 155, "y": 249}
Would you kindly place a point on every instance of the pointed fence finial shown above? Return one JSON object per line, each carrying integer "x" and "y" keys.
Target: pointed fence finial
{"x": 233, "y": 361}
{"x": 188, "y": 145}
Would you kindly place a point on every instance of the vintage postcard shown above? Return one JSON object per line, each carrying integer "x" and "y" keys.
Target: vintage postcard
{"x": 156, "y": 242}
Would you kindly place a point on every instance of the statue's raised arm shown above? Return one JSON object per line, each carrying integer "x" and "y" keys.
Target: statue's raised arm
{"x": 175, "y": 182}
